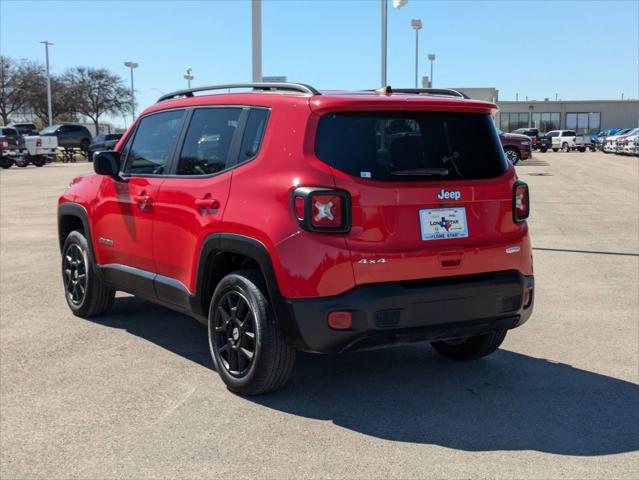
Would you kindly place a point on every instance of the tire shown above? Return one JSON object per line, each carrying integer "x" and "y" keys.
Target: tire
{"x": 22, "y": 163}
{"x": 250, "y": 355}
{"x": 38, "y": 161}
{"x": 565, "y": 148}
{"x": 593, "y": 149}
{"x": 512, "y": 155}
{"x": 84, "y": 145}
{"x": 555, "y": 149}
{"x": 6, "y": 163}
{"x": 544, "y": 150}
{"x": 582, "y": 150}
{"x": 472, "y": 347}
{"x": 78, "y": 273}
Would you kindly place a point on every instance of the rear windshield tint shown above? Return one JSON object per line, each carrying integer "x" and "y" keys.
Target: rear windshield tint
{"x": 378, "y": 145}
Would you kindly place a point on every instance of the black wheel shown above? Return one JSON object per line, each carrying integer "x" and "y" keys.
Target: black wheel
{"x": 513, "y": 155}
{"x": 246, "y": 342}
{"x": 38, "y": 161}
{"x": 544, "y": 150}
{"x": 582, "y": 149}
{"x": 555, "y": 149}
{"x": 22, "y": 163}
{"x": 593, "y": 149}
{"x": 471, "y": 348}
{"x": 565, "y": 147}
{"x": 6, "y": 163}
{"x": 84, "y": 145}
{"x": 86, "y": 295}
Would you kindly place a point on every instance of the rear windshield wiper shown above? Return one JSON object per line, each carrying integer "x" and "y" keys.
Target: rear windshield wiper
{"x": 422, "y": 172}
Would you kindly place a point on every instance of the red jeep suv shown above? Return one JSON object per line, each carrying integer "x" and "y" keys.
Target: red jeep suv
{"x": 288, "y": 219}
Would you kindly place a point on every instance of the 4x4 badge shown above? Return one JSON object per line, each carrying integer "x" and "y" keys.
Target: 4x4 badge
{"x": 453, "y": 195}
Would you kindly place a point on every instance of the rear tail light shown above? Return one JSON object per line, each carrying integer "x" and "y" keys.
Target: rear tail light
{"x": 340, "y": 320}
{"x": 39, "y": 142}
{"x": 521, "y": 202}
{"x": 322, "y": 210}
{"x": 5, "y": 143}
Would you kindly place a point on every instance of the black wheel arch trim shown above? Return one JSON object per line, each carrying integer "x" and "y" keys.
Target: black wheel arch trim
{"x": 257, "y": 251}
{"x": 71, "y": 209}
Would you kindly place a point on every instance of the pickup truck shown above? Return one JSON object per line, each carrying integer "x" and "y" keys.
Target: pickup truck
{"x": 39, "y": 150}
{"x": 539, "y": 140}
{"x": 568, "y": 140}
{"x": 11, "y": 147}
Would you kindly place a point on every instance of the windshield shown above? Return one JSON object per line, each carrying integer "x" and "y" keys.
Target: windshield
{"x": 386, "y": 145}
{"x": 50, "y": 129}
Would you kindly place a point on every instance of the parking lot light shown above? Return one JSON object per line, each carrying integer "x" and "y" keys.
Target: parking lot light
{"x": 49, "y": 109}
{"x": 431, "y": 57}
{"x": 416, "y": 23}
{"x": 189, "y": 76}
{"x": 131, "y": 66}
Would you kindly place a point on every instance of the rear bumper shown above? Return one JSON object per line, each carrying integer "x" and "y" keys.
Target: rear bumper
{"x": 404, "y": 312}
{"x": 13, "y": 152}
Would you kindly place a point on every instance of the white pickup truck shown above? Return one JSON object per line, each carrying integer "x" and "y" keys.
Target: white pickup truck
{"x": 39, "y": 149}
{"x": 568, "y": 140}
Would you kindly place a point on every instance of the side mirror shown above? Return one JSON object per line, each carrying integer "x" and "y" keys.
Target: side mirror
{"x": 107, "y": 163}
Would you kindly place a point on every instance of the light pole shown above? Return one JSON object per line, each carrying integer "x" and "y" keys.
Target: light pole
{"x": 131, "y": 66}
{"x": 431, "y": 57}
{"x": 256, "y": 16}
{"x": 189, "y": 75}
{"x": 384, "y": 3}
{"x": 49, "y": 108}
{"x": 416, "y": 23}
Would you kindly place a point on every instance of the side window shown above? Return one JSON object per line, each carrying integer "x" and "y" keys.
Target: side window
{"x": 253, "y": 133}
{"x": 208, "y": 141}
{"x": 152, "y": 143}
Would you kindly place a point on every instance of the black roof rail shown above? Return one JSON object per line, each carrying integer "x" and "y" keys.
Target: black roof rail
{"x": 446, "y": 92}
{"x": 266, "y": 86}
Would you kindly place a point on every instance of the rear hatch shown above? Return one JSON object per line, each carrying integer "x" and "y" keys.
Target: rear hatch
{"x": 431, "y": 193}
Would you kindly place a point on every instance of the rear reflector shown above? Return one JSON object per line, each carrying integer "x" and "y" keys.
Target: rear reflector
{"x": 340, "y": 320}
{"x": 527, "y": 297}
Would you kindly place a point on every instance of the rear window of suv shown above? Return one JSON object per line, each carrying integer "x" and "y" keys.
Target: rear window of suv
{"x": 387, "y": 145}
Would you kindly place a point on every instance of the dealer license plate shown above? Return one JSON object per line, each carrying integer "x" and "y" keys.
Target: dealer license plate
{"x": 442, "y": 223}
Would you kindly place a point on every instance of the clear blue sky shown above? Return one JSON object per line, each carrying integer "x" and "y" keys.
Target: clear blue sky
{"x": 578, "y": 49}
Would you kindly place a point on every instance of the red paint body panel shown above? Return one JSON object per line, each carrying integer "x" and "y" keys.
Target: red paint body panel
{"x": 255, "y": 200}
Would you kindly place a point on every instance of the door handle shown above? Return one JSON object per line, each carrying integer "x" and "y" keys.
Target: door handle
{"x": 143, "y": 200}
{"x": 207, "y": 203}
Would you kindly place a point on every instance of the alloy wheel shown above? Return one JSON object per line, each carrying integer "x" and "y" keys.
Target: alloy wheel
{"x": 512, "y": 156}
{"x": 75, "y": 274}
{"x": 234, "y": 335}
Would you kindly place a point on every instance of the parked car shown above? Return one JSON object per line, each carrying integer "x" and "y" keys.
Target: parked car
{"x": 393, "y": 217}
{"x": 539, "y": 140}
{"x": 103, "y": 142}
{"x": 599, "y": 138}
{"x": 25, "y": 128}
{"x": 11, "y": 146}
{"x": 516, "y": 147}
{"x": 70, "y": 136}
{"x": 562, "y": 139}
{"x": 610, "y": 144}
{"x": 623, "y": 140}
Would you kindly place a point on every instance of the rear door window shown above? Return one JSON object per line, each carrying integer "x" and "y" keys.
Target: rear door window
{"x": 387, "y": 145}
{"x": 208, "y": 141}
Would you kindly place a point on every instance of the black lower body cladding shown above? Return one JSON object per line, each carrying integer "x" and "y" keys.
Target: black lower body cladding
{"x": 412, "y": 311}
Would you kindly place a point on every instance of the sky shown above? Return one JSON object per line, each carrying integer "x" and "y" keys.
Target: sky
{"x": 575, "y": 49}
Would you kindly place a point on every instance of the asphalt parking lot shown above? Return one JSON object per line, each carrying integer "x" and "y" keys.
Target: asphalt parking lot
{"x": 133, "y": 394}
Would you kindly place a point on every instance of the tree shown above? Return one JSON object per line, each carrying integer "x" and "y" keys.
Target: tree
{"x": 62, "y": 100}
{"x": 16, "y": 80}
{"x": 97, "y": 91}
